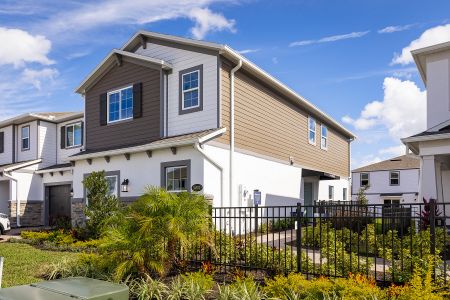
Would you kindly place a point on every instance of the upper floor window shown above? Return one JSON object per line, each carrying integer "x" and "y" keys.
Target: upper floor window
{"x": 365, "y": 179}
{"x": 312, "y": 131}
{"x": 25, "y": 131}
{"x": 330, "y": 192}
{"x": 394, "y": 177}
{"x": 324, "y": 137}
{"x": 120, "y": 104}
{"x": 344, "y": 194}
{"x": 191, "y": 90}
{"x": 74, "y": 135}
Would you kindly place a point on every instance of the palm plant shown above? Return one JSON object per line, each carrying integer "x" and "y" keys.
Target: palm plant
{"x": 155, "y": 229}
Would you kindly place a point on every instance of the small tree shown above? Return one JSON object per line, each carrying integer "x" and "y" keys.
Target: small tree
{"x": 101, "y": 206}
{"x": 361, "y": 197}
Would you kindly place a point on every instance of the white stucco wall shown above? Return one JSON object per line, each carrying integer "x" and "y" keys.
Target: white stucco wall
{"x": 30, "y": 184}
{"x": 181, "y": 60}
{"x": 338, "y": 185}
{"x": 140, "y": 170}
{"x": 438, "y": 88}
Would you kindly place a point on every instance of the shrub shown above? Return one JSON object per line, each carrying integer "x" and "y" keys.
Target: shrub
{"x": 243, "y": 289}
{"x": 102, "y": 207}
{"x": 149, "y": 235}
{"x": 196, "y": 285}
{"x": 148, "y": 289}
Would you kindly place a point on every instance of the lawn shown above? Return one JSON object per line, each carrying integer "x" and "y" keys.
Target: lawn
{"x": 24, "y": 263}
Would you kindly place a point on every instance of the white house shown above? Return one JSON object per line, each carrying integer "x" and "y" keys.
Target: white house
{"x": 433, "y": 145}
{"x": 392, "y": 181}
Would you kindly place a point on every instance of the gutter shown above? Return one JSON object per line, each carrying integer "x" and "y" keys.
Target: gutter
{"x": 233, "y": 71}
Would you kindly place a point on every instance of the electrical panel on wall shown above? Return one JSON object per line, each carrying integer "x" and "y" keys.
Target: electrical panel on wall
{"x": 245, "y": 197}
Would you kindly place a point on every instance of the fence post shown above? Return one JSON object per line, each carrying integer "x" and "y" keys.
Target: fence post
{"x": 433, "y": 232}
{"x": 256, "y": 220}
{"x": 298, "y": 242}
{"x": 1, "y": 270}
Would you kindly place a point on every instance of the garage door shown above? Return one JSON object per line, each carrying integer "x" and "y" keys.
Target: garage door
{"x": 58, "y": 203}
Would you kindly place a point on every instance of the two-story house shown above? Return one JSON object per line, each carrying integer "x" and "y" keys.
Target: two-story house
{"x": 35, "y": 172}
{"x": 174, "y": 112}
{"x": 433, "y": 145}
{"x": 392, "y": 181}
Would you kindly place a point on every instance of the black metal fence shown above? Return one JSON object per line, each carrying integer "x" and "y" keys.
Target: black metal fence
{"x": 385, "y": 242}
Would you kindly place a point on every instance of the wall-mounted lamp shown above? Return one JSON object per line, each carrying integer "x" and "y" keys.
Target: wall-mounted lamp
{"x": 124, "y": 185}
{"x": 71, "y": 192}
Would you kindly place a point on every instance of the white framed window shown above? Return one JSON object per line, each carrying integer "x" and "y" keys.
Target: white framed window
{"x": 394, "y": 178}
{"x": 25, "y": 131}
{"x": 323, "y": 137}
{"x": 120, "y": 104}
{"x": 311, "y": 130}
{"x": 177, "y": 178}
{"x": 113, "y": 185}
{"x": 331, "y": 192}
{"x": 365, "y": 179}
{"x": 74, "y": 135}
{"x": 190, "y": 90}
{"x": 344, "y": 194}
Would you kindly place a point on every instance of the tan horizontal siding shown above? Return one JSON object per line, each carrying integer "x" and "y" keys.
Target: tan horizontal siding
{"x": 268, "y": 124}
{"x": 144, "y": 129}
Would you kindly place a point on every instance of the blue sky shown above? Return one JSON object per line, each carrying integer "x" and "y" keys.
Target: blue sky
{"x": 350, "y": 58}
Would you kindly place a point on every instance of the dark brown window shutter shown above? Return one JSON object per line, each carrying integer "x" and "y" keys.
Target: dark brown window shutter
{"x": 137, "y": 100}
{"x": 82, "y": 133}
{"x": 103, "y": 109}
{"x": 63, "y": 137}
{"x": 2, "y": 142}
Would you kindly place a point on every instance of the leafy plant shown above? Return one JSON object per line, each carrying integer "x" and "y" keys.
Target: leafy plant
{"x": 425, "y": 214}
{"x": 154, "y": 230}
{"x": 148, "y": 289}
{"x": 102, "y": 206}
{"x": 361, "y": 197}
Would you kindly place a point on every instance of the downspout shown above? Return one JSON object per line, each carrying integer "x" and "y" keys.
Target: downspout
{"x": 199, "y": 148}
{"x": 17, "y": 198}
{"x": 237, "y": 67}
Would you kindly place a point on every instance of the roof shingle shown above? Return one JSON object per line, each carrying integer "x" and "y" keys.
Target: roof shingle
{"x": 403, "y": 162}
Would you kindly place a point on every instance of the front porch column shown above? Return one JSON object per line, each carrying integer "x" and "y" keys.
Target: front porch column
{"x": 428, "y": 178}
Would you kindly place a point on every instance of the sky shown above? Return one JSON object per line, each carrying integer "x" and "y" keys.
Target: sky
{"x": 350, "y": 58}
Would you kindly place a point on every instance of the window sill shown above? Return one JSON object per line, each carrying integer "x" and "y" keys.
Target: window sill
{"x": 120, "y": 122}
{"x": 73, "y": 147}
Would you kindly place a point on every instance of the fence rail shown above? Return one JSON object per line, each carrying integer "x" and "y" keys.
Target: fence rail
{"x": 385, "y": 242}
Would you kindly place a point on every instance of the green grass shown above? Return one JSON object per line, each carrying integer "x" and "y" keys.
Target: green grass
{"x": 23, "y": 263}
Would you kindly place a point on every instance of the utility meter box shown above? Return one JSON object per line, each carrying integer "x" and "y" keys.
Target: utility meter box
{"x": 68, "y": 288}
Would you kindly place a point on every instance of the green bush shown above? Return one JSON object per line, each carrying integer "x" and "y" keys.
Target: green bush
{"x": 148, "y": 289}
{"x": 102, "y": 207}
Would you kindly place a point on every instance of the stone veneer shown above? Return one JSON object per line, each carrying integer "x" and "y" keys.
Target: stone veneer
{"x": 31, "y": 213}
{"x": 77, "y": 213}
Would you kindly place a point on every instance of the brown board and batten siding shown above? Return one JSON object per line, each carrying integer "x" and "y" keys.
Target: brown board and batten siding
{"x": 128, "y": 132}
{"x": 268, "y": 124}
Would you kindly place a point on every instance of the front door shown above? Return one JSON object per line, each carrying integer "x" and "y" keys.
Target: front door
{"x": 308, "y": 197}
{"x": 58, "y": 203}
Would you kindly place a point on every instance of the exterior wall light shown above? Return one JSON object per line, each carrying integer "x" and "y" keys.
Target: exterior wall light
{"x": 71, "y": 192}
{"x": 124, "y": 186}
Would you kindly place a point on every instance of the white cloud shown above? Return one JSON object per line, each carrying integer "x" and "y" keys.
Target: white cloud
{"x": 329, "y": 39}
{"x": 207, "y": 21}
{"x": 19, "y": 47}
{"x": 391, "y": 29}
{"x": 435, "y": 35}
{"x": 89, "y": 15}
{"x": 401, "y": 112}
{"x": 393, "y": 151}
{"x": 247, "y": 51}
{"x": 36, "y": 77}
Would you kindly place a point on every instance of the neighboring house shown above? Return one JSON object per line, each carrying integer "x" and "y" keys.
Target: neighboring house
{"x": 175, "y": 112}
{"x": 392, "y": 181}
{"x": 186, "y": 115}
{"x": 433, "y": 145}
{"x": 32, "y": 162}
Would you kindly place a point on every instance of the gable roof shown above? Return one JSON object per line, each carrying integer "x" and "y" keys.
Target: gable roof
{"x": 54, "y": 117}
{"x": 115, "y": 57}
{"x": 403, "y": 162}
{"x": 142, "y": 36}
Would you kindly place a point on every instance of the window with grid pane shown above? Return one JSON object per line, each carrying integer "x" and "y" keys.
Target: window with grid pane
{"x": 176, "y": 178}
{"x": 394, "y": 178}
{"x": 120, "y": 104}
{"x": 191, "y": 88}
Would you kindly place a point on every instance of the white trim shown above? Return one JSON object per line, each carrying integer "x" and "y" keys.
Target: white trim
{"x": 19, "y": 166}
{"x": 211, "y": 135}
{"x": 54, "y": 170}
{"x": 118, "y": 91}
{"x": 236, "y": 57}
{"x": 315, "y": 131}
{"x": 190, "y": 90}
{"x": 323, "y": 137}
{"x": 422, "y": 138}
